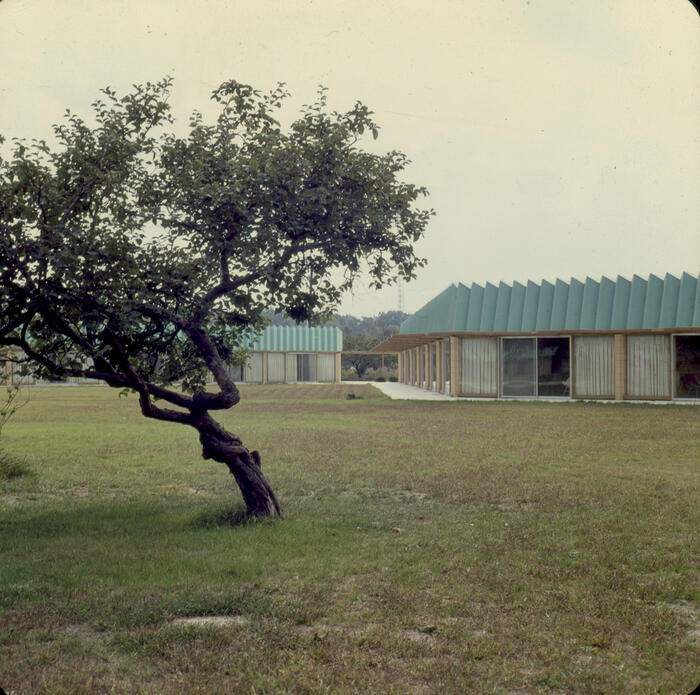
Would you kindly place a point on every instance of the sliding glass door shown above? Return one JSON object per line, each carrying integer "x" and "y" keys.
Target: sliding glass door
{"x": 535, "y": 367}
{"x": 687, "y": 372}
{"x": 553, "y": 370}
{"x": 518, "y": 367}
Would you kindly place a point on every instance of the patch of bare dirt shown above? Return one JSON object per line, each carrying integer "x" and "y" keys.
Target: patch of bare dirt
{"x": 217, "y": 621}
{"x": 417, "y": 636}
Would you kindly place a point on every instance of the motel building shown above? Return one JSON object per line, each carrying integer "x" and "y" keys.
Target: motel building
{"x": 291, "y": 355}
{"x": 278, "y": 354}
{"x": 621, "y": 340}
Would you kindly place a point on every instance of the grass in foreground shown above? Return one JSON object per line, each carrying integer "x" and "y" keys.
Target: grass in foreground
{"x": 429, "y": 548}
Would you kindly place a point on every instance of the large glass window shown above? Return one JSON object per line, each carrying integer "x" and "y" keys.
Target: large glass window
{"x": 306, "y": 367}
{"x": 687, "y": 348}
{"x": 535, "y": 367}
{"x": 553, "y": 376}
{"x": 301, "y": 367}
{"x": 519, "y": 367}
{"x": 236, "y": 372}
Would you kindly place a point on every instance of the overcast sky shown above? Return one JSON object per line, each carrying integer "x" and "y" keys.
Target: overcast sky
{"x": 557, "y": 138}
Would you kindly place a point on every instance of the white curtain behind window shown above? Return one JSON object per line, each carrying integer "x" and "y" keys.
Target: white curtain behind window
{"x": 648, "y": 365}
{"x": 275, "y": 366}
{"x": 326, "y": 367}
{"x": 253, "y": 368}
{"x": 479, "y": 366}
{"x": 594, "y": 366}
{"x": 291, "y": 362}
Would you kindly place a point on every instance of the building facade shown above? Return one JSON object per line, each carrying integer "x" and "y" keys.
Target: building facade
{"x": 633, "y": 339}
{"x": 280, "y": 354}
{"x": 292, "y": 354}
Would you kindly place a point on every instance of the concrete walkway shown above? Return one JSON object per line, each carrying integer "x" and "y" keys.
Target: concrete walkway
{"x": 398, "y": 391}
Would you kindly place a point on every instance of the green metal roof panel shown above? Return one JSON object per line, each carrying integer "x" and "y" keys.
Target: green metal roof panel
{"x": 432, "y": 314}
{"x": 652, "y": 306}
{"x": 544, "y": 306}
{"x": 437, "y": 309}
{"x": 589, "y": 304}
{"x": 488, "y": 312}
{"x": 621, "y": 302}
{"x": 561, "y": 294}
{"x": 500, "y": 319}
{"x": 461, "y": 306}
{"x": 573, "y": 306}
{"x": 442, "y": 305}
{"x": 306, "y": 338}
{"x": 638, "y": 296}
{"x": 532, "y": 294}
{"x": 696, "y": 313}
{"x": 606, "y": 296}
{"x": 517, "y": 302}
{"x": 476, "y": 303}
{"x": 669, "y": 300}
{"x": 604, "y": 305}
{"x": 686, "y": 300}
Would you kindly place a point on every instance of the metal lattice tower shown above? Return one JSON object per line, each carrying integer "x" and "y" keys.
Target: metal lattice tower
{"x": 402, "y": 302}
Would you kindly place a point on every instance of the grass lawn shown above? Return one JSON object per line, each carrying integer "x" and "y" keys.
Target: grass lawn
{"x": 429, "y": 547}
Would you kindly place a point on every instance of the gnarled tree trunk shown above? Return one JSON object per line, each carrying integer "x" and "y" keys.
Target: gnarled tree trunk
{"x": 244, "y": 465}
{"x": 217, "y": 443}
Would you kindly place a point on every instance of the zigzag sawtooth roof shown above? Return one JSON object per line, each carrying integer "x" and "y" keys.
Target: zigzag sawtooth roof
{"x": 304, "y": 338}
{"x": 606, "y": 305}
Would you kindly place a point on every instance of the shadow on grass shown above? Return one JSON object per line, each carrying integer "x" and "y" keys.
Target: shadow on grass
{"x": 228, "y": 515}
{"x": 121, "y": 519}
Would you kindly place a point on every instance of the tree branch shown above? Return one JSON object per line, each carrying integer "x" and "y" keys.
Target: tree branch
{"x": 173, "y": 397}
{"x": 229, "y": 395}
{"x": 111, "y": 378}
{"x": 138, "y": 384}
{"x": 225, "y": 287}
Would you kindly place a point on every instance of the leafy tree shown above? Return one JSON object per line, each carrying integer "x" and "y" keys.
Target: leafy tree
{"x": 142, "y": 258}
{"x": 360, "y": 363}
{"x": 366, "y": 333}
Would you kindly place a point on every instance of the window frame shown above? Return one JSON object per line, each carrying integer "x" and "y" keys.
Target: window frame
{"x": 536, "y": 339}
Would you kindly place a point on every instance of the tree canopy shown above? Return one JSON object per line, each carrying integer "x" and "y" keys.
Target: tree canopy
{"x": 134, "y": 255}
{"x": 360, "y": 334}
